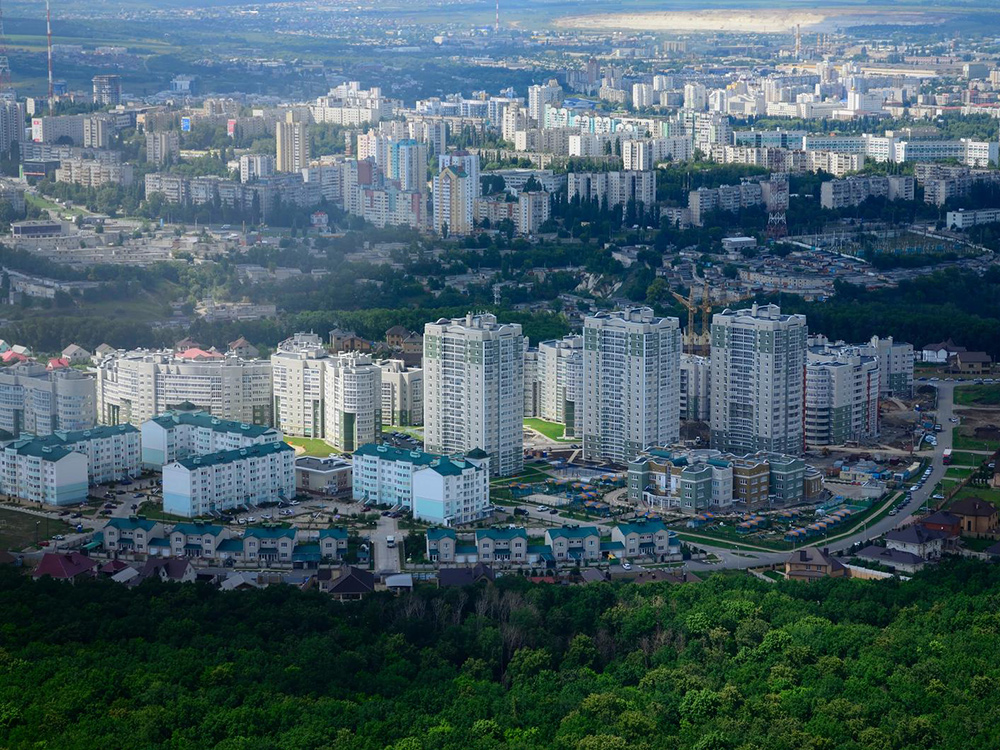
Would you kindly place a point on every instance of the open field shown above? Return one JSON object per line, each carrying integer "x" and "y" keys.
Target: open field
{"x": 17, "y": 530}
{"x": 978, "y": 395}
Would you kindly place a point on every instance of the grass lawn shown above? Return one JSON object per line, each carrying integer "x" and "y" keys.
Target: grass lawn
{"x": 958, "y": 472}
{"x": 958, "y": 458}
{"x": 312, "y": 446}
{"x": 989, "y": 494}
{"x": 775, "y": 575}
{"x": 978, "y": 395}
{"x": 528, "y": 476}
{"x": 35, "y": 199}
{"x": 551, "y": 430}
{"x": 17, "y": 530}
{"x": 964, "y": 442}
{"x": 977, "y": 545}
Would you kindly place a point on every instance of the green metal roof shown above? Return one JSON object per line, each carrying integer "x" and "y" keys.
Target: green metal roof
{"x": 237, "y": 454}
{"x": 206, "y": 420}
{"x": 498, "y": 534}
{"x": 197, "y": 528}
{"x": 441, "y": 533}
{"x": 391, "y": 453}
{"x": 333, "y": 533}
{"x": 130, "y": 524}
{"x": 642, "y": 527}
{"x": 569, "y": 532}
{"x": 230, "y": 545}
{"x": 262, "y": 533}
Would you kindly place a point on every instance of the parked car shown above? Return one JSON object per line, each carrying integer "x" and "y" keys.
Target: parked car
{"x": 626, "y": 566}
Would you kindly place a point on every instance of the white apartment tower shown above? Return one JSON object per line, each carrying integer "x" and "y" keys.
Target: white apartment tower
{"x": 298, "y": 369}
{"x": 758, "y": 380}
{"x": 559, "y": 376}
{"x": 37, "y": 401}
{"x": 353, "y": 395}
{"x": 474, "y": 389}
{"x": 631, "y": 383}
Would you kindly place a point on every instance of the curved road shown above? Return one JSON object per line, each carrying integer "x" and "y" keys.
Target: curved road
{"x": 753, "y": 559}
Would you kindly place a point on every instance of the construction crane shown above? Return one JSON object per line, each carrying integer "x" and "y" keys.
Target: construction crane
{"x": 695, "y": 342}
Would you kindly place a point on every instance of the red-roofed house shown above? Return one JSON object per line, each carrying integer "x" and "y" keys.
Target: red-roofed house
{"x": 57, "y": 363}
{"x": 10, "y": 357}
{"x": 65, "y": 566}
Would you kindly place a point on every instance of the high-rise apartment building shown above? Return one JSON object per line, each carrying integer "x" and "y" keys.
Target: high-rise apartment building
{"x": 895, "y": 362}
{"x": 38, "y": 401}
{"x": 559, "y": 374}
{"x": 453, "y": 201}
{"x": 539, "y": 96}
{"x": 107, "y": 90}
{"x": 162, "y": 146}
{"x": 468, "y": 163}
{"x": 474, "y": 389}
{"x": 402, "y": 394}
{"x": 631, "y": 383}
{"x": 408, "y": 165}
{"x": 256, "y": 166}
{"x": 133, "y": 387}
{"x": 353, "y": 401}
{"x": 298, "y": 373}
{"x": 292, "y": 141}
{"x": 758, "y": 380}
{"x": 842, "y": 393}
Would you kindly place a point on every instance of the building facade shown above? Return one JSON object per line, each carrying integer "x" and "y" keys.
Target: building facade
{"x": 39, "y": 401}
{"x": 133, "y": 387}
{"x": 223, "y": 481}
{"x": 474, "y": 389}
{"x": 630, "y": 391}
{"x": 179, "y": 434}
{"x": 758, "y": 380}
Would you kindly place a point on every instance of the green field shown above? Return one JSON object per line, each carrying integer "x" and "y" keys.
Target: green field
{"x": 17, "y": 530}
{"x": 958, "y": 472}
{"x": 40, "y": 201}
{"x": 551, "y": 430}
{"x": 965, "y": 442}
{"x": 978, "y": 395}
{"x": 312, "y": 446}
{"x": 958, "y": 458}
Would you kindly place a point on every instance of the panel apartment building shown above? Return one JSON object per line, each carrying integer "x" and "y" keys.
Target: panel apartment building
{"x": 133, "y": 387}
{"x": 631, "y": 383}
{"x": 474, "y": 389}
{"x": 758, "y": 379}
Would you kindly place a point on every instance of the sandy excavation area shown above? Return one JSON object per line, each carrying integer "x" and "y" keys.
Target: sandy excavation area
{"x": 760, "y": 21}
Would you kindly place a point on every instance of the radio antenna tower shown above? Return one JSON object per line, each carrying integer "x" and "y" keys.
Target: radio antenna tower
{"x": 496, "y": 29}
{"x": 4, "y": 62}
{"x": 48, "y": 32}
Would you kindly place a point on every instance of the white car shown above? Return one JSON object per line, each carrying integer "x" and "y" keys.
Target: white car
{"x": 294, "y": 502}
{"x": 251, "y": 519}
{"x": 626, "y": 566}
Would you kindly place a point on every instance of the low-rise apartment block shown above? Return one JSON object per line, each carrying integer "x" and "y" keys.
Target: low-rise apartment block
{"x": 179, "y": 434}
{"x": 216, "y": 482}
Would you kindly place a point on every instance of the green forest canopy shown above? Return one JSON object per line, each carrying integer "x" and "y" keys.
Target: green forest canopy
{"x": 732, "y": 663}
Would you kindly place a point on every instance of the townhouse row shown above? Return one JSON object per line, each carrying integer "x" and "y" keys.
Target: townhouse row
{"x": 648, "y": 539}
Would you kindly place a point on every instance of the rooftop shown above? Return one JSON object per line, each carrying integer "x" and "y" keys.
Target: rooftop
{"x": 206, "y": 420}
{"x": 238, "y": 454}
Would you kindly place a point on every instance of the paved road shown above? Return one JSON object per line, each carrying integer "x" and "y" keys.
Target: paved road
{"x": 750, "y": 558}
{"x": 386, "y": 557}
